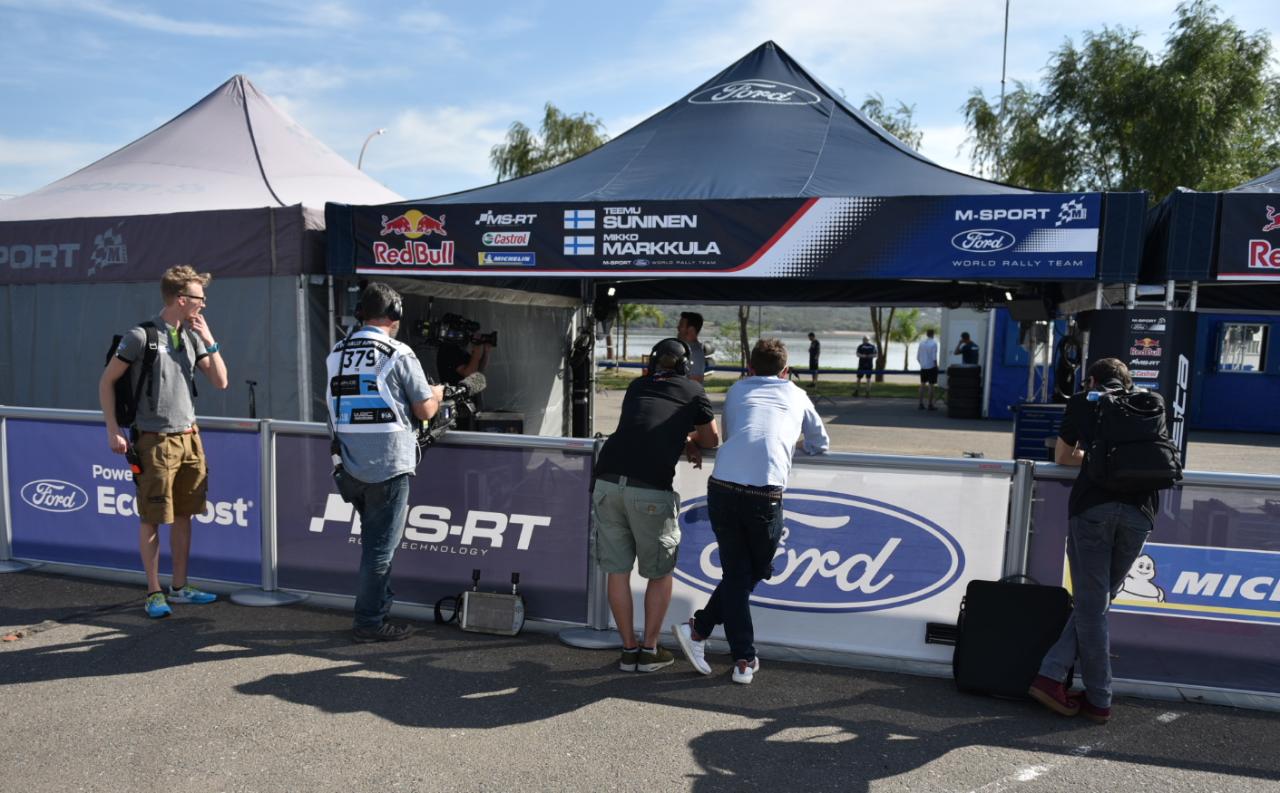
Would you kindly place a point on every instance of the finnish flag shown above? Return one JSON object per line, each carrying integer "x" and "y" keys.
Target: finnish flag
{"x": 579, "y": 246}
{"x": 579, "y": 218}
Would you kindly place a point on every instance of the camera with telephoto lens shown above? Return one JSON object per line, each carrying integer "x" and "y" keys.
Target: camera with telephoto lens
{"x": 455, "y": 329}
{"x": 456, "y": 405}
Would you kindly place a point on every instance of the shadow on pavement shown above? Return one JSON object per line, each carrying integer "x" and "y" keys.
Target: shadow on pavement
{"x": 815, "y": 728}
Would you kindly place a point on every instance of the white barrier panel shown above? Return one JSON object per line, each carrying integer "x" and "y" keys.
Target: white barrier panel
{"x": 868, "y": 556}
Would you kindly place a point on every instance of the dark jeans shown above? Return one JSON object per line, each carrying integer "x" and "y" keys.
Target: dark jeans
{"x": 748, "y": 529}
{"x": 1102, "y": 544}
{"x": 383, "y": 507}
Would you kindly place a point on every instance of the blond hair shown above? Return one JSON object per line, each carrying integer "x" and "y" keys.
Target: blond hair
{"x": 174, "y": 281}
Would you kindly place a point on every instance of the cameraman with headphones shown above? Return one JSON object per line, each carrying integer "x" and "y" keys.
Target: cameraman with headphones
{"x": 377, "y": 396}
{"x": 633, "y": 504}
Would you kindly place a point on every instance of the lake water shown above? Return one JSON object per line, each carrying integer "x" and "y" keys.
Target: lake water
{"x": 838, "y": 349}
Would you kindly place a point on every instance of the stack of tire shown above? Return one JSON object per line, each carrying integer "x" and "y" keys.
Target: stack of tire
{"x": 964, "y": 392}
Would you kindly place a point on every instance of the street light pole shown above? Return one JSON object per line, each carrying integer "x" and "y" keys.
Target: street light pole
{"x": 1004, "y": 61}
{"x": 372, "y": 135}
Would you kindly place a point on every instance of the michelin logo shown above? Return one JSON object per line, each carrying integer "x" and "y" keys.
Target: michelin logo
{"x": 1233, "y": 584}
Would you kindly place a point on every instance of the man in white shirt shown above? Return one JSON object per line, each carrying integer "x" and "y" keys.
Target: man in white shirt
{"x": 764, "y": 415}
{"x": 927, "y": 357}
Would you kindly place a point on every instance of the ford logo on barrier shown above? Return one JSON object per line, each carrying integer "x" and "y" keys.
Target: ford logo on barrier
{"x": 54, "y": 495}
{"x": 759, "y": 92}
{"x": 838, "y": 553}
{"x": 983, "y": 240}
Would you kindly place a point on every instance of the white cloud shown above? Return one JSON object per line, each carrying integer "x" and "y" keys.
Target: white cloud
{"x": 454, "y": 139}
{"x": 945, "y": 145}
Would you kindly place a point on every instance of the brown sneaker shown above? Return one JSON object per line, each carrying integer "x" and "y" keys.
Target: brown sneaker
{"x": 1053, "y": 695}
{"x": 1093, "y": 713}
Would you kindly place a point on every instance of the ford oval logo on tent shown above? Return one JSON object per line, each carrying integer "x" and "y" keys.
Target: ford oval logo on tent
{"x": 54, "y": 495}
{"x": 983, "y": 241}
{"x": 759, "y": 92}
{"x": 838, "y": 553}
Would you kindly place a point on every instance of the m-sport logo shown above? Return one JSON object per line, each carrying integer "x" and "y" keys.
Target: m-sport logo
{"x": 760, "y": 92}
{"x": 838, "y": 553}
{"x": 54, "y": 495}
{"x": 983, "y": 241}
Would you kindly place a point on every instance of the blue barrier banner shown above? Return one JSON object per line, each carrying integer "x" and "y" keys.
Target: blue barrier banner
{"x": 1201, "y": 605}
{"x": 501, "y": 511}
{"x": 72, "y": 502}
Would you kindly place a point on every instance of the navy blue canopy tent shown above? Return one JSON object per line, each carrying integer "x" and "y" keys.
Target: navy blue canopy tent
{"x": 761, "y": 184}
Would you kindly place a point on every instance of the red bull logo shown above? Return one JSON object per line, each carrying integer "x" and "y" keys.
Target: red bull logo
{"x": 1148, "y": 347}
{"x": 1273, "y": 221}
{"x": 416, "y": 253}
{"x": 413, "y": 224}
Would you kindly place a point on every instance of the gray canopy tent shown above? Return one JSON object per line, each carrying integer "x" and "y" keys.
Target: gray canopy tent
{"x": 231, "y": 186}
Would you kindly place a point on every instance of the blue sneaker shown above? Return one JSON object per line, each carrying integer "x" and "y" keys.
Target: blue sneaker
{"x": 156, "y": 606}
{"x": 189, "y": 594}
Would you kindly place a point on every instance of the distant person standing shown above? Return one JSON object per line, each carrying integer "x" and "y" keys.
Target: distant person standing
{"x": 815, "y": 352}
{"x": 764, "y": 415}
{"x": 687, "y": 330}
{"x": 866, "y": 365}
{"x": 927, "y": 357}
{"x": 967, "y": 350}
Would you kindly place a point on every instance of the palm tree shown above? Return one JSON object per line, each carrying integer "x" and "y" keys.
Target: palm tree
{"x": 630, "y": 312}
{"x": 905, "y": 330}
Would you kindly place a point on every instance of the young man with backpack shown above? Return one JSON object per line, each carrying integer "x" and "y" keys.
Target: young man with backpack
{"x": 151, "y": 419}
{"x": 1119, "y": 436}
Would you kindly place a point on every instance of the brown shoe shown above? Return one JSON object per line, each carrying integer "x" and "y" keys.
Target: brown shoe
{"x": 1093, "y": 713}
{"x": 1053, "y": 695}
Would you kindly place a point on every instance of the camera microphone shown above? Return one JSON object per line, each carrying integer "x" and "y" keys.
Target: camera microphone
{"x": 469, "y": 386}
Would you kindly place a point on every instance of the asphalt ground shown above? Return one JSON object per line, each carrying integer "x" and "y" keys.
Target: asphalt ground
{"x": 96, "y": 697}
{"x": 880, "y": 425}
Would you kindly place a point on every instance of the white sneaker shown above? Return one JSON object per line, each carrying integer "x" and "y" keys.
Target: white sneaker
{"x": 744, "y": 672}
{"x": 695, "y": 651}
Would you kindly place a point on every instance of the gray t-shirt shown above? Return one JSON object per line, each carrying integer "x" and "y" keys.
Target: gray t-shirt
{"x": 377, "y": 457}
{"x": 170, "y": 375}
{"x": 698, "y": 357}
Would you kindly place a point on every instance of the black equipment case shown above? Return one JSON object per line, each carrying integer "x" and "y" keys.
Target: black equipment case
{"x": 1003, "y": 632}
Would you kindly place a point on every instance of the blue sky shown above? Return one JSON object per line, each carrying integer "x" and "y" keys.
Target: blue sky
{"x": 81, "y": 78}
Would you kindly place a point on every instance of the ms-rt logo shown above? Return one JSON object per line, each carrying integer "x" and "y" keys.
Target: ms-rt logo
{"x": 435, "y": 529}
{"x": 839, "y": 553}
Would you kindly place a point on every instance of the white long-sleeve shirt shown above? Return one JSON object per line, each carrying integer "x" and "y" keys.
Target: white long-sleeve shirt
{"x": 927, "y": 354}
{"x": 763, "y": 418}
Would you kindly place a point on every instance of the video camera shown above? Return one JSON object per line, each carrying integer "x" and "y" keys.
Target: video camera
{"x": 455, "y": 329}
{"x": 456, "y": 404}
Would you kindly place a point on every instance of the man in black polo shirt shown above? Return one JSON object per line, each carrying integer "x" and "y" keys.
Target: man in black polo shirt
{"x": 633, "y": 505}
{"x": 1107, "y": 531}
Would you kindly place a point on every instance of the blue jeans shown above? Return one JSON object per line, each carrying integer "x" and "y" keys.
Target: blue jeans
{"x": 1102, "y": 544}
{"x": 748, "y": 529}
{"x": 383, "y": 508}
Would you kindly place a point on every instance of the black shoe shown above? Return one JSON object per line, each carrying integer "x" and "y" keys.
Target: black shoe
{"x": 386, "y": 632}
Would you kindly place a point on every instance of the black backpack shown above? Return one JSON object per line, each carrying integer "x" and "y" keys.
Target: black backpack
{"x": 1130, "y": 450}
{"x": 127, "y": 395}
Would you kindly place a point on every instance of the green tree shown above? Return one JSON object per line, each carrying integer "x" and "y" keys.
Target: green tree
{"x": 898, "y": 122}
{"x": 906, "y": 329}
{"x": 1203, "y": 114}
{"x": 561, "y": 138}
{"x": 631, "y": 312}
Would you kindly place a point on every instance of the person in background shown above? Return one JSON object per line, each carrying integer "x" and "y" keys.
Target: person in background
{"x": 927, "y": 357}
{"x": 866, "y": 365}
{"x": 764, "y": 415}
{"x": 687, "y": 330}
{"x": 815, "y": 351}
{"x": 967, "y": 350}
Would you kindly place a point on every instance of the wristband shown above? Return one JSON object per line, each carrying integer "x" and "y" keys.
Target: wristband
{"x": 212, "y": 348}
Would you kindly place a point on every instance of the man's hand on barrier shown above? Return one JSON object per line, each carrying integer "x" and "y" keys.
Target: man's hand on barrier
{"x": 117, "y": 442}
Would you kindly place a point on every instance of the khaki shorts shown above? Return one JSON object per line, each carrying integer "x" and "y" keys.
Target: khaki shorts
{"x": 174, "y": 479}
{"x": 633, "y": 524}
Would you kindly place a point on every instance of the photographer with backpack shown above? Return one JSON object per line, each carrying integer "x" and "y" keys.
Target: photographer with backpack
{"x": 1118, "y": 434}
{"x": 147, "y": 392}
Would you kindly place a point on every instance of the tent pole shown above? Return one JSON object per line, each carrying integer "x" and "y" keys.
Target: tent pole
{"x": 328, "y": 289}
{"x": 1130, "y": 295}
{"x": 986, "y": 381}
{"x": 1097, "y": 297}
{"x": 1168, "y": 293}
{"x": 1195, "y": 296}
{"x": 304, "y": 359}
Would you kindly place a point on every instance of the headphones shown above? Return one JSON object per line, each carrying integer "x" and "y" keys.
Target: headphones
{"x": 392, "y": 311}
{"x": 671, "y": 348}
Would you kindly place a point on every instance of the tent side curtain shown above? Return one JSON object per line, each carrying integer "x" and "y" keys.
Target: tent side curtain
{"x": 231, "y": 243}
{"x": 1180, "y": 238}
{"x": 1121, "y": 238}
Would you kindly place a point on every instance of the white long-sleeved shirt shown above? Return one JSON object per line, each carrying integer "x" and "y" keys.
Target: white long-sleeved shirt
{"x": 763, "y": 418}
